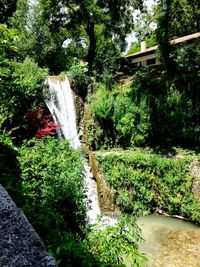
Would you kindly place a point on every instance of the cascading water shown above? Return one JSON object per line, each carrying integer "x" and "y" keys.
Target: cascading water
{"x": 61, "y": 106}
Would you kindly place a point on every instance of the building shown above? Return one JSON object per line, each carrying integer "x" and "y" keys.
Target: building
{"x": 147, "y": 56}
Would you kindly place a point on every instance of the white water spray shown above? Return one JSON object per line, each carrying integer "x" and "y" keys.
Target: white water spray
{"x": 61, "y": 106}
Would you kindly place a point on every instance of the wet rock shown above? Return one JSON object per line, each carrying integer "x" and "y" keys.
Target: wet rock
{"x": 106, "y": 196}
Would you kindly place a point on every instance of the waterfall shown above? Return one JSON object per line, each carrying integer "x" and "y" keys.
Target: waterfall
{"x": 61, "y": 106}
{"x": 92, "y": 196}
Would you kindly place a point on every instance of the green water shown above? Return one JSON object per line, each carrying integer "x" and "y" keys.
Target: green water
{"x": 170, "y": 242}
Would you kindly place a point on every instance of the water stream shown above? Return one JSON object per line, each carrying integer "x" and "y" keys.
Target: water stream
{"x": 61, "y": 105}
{"x": 168, "y": 242}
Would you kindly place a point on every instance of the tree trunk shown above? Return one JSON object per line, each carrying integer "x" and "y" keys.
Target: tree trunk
{"x": 92, "y": 47}
{"x": 163, "y": 39}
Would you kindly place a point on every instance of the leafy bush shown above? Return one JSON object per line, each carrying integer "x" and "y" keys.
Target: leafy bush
{"x": 102, "y": 104}
{"x": 24, "y": 83}
{"x": 172, "y": 105}
{"x": 116, "y": 245}
{"x": 80, "y": 80}
{"x": 41, "y": 123}
{"x": 52, "y": 177}
{"x": 101, "y": 129}
{"x": 53, "y": 197}
{"x": 28, "y": 77}
{"x": 131, "y": 121}
{"x": 143, "y": 183}
{"x": 53, "y": 192}
{"x": 7, "y": 43}
{"x": 122, "y": 121}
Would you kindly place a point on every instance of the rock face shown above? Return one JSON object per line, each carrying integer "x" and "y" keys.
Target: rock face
{"x": 106, "y": 196}
{"x": 19, "y": 243}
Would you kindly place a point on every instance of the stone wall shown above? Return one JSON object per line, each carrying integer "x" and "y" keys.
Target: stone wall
{"x": 20, "y": 245}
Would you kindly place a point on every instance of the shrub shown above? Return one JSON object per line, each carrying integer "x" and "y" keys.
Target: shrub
{"x": 80, "y": 80}
{"x": 102, "y": 128}
{"x": 116, "y": 245}
{"x": 102, "y": 104}
{"x": 41, "y": 123}
{"x": 131, "y": 121}
{"x": 52, "y": 177}
{"x": 21, "y": 89}
{"x": 28, "y": 78}
{"x": 122, "y": 121}
{"x": 143, "y": 183}
{"x": 53, "y": 197}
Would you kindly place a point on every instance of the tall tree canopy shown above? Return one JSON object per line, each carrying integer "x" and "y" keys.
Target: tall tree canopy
{"x": 176, "y": 18}
{"x": 182, "y": 16}
{"x": 7, "y": 8}
{"x": 87, "y": 24}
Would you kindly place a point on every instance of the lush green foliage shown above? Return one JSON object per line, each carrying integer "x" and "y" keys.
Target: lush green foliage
{"x": 183, "y": 19}
{"x": 173, "y": 105}
{"x": 21, "y": 86}
{"x": 116, "y": 245}
{"x": 154, "y": 109}
{"x": 7, "y": 8}
{"x": 50, "y": 169}
{"x": 36, "y": 39}
{"x": 45, "y": 177}
{"x": 136, "y": 47}
{"x": 7, "y": 40}
{"x": 96, "y": 31}
{"x": 53, "y": 192}
{"x": 80, "y": 81}
{"x": 122, "y": 120}
{"x": 20, "y": 90}
{"x": 145, "y": 182}
{"x": 102, "y": 104}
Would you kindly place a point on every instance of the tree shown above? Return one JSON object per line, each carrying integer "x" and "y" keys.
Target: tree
{"x": 83, "y": 22}
{"x": 8, "y": 49}
{"x": 21, "y": 83}
{"x": 175, "y": 18}
{"x": 184, "y": 16}
{"x": 7, "y": 8}
{"x": 144, "y": 29}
